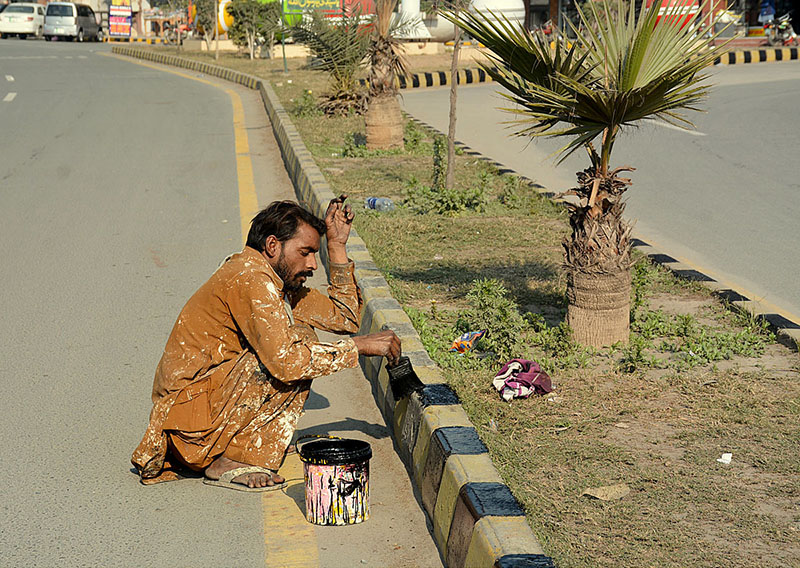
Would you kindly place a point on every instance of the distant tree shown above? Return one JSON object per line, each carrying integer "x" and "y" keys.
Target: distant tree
{"x": 254, "y": 22}
{"x": 207, "y": 20}
{"x": 180, "y": 7}
{"x": 450, "y": 177}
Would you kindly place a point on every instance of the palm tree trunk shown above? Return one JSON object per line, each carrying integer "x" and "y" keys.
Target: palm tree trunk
{"x": 598, "y": 310}
{"x": 384, "y": 123}
{"x": 598, "y": 261}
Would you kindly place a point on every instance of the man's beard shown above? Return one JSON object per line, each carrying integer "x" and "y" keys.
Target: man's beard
{"x": 291, "y": 283}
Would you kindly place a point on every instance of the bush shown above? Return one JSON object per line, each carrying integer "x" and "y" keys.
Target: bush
{"x": 355, "y": 145}
{"x": 412, "y": 136}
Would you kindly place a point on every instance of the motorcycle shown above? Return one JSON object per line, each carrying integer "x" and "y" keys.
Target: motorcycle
{"x": 780, "y": 32}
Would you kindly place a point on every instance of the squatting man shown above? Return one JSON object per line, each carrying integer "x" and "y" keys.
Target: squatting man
{"x": 238, "y": 365}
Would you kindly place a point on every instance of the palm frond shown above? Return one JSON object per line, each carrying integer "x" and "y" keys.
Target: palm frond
{"x": 387, "y": 60}
{"x": 622, "y": 68}
{"x": 338, "y": 46}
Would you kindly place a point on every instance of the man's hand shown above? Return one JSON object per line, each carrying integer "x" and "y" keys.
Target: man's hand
{"x": 339, "y": 219}
{"x": 384, "y": 343}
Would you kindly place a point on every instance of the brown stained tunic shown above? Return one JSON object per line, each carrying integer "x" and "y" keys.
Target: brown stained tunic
{"x": 238, "y": 365}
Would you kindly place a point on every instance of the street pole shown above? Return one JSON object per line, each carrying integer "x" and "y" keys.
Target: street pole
{"x": 216, "y": 29}
{"x": 283, "y": 37}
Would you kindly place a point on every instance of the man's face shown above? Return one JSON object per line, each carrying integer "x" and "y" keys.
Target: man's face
{"x": 297, "y": 259}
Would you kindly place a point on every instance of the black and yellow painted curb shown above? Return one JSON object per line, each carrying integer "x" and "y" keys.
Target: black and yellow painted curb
{"x": 760, "y": 55}
{"x": 476, "y": 520}
{"x": 439, "y": 79}
{"x": 148, "y": 40}
{"x": 786, "y": 330}
{"x": 478, "y": 75}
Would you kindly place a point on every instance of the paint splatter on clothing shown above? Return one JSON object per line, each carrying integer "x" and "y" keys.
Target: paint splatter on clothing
{"x": 238, "y": 365}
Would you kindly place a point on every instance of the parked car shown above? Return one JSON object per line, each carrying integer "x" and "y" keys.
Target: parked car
{"x": 71, "y": 21}
{"x": 22, "y": 19}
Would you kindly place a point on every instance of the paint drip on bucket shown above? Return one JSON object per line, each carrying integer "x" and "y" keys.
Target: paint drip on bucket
{"x": 336, "y": 473}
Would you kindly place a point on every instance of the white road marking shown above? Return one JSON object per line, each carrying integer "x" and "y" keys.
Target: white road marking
{"x": 663, "y": 124}
{"x": 82, "y": 57}
{"x": 29, "y": 57}
{"x": 9, "y": 78}
{"x": 67, "y": 57}
{"x": 9, "y": 97}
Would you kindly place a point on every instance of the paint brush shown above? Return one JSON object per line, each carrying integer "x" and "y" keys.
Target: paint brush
{"x": 402, "y": 379}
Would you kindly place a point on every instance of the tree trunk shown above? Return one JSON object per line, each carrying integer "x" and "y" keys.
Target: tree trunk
{"x": 384, "y": 123}
{"x": 598, "y": 260}
{"x": 599, "y": 306}
{"x": 450, "y": 176}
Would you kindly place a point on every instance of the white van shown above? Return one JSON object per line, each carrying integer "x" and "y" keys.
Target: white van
{"x": 71, "y": 21}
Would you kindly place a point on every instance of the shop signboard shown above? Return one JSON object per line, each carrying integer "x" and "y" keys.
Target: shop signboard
{"x": 119, "y": 18}
{"x": 676, "y": 11}
{"x": 303, "y": 6}
{"x": 332, "y": 7}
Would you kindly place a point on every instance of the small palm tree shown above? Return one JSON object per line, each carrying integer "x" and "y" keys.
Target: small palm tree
{"x": 384, "y": 121}
{"x": 619, "y": 70}
{"x": 340, "y": 49}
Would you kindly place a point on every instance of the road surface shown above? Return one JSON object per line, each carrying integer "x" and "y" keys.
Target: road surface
{"x": 120, "y": 194}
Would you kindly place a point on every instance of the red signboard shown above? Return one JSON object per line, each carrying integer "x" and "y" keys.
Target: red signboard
{"x": 676, "y": 11}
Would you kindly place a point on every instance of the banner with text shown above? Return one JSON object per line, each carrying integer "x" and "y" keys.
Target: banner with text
{"x": 119, "y": 18}
{"x": 302, "y": 6}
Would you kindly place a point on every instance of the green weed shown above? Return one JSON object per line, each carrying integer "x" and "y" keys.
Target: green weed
{"x": 413, "y": 137}
{"x": 307, "y": 105}
{"x": 426, "y": 199}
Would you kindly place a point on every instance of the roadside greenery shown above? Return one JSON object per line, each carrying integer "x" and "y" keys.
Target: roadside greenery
{"x": 339, "y": 49}
{"x": 254, "y": 23}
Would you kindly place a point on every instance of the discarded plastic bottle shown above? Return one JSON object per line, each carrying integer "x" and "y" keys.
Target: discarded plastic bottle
{"x": 379, "y": 203}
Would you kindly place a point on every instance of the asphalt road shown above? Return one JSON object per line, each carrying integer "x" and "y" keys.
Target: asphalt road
{"x": 119, "y": 197}
{"x": 723, "y": 198}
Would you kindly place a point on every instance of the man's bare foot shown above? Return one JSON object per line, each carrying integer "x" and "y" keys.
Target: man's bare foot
{"x": 223, "y": 464}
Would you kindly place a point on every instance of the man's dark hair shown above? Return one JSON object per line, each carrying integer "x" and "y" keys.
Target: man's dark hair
{"x": 281, "y": 218}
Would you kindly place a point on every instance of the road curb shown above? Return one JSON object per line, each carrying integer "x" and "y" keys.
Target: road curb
{"x": 473, "y": 76}
{"x": 149, "y": 40}
{"x": 760, "y": 55}
{"x": 786, "y": 330}
{"x": 476, "y": 520}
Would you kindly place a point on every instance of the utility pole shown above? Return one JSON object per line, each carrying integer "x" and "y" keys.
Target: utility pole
{"x": 216, "y": 30}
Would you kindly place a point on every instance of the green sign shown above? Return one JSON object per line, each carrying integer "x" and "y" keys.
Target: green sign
{"x": 302, "y": 6}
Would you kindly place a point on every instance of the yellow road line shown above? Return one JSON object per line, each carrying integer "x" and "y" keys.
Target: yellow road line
{"x": 289, "y": 540}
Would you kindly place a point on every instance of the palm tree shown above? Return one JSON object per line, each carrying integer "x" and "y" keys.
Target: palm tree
{"x": 619, "y": 70}
{"x": 340, "y": 49}
{"x": 384, "y": 121}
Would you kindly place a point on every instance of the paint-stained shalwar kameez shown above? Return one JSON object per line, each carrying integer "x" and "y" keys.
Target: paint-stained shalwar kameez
{"x": 238, "y": 365}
